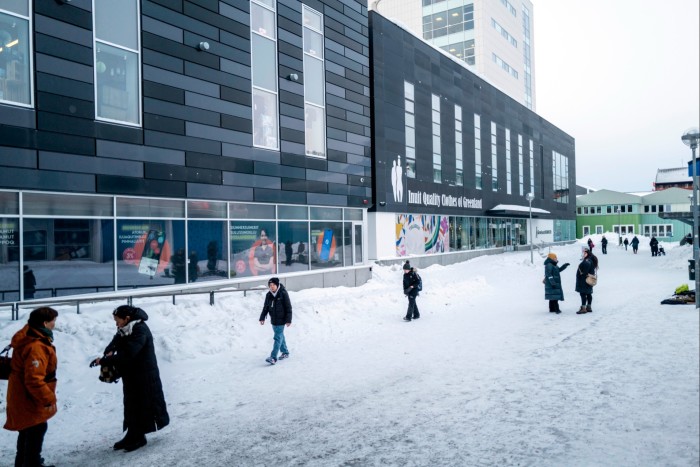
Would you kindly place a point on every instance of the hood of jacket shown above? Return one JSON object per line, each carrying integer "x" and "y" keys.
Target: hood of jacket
{"x": 139, "y": 314}
{"x": 27, "y": 335}
{"x": 550, "y": 260}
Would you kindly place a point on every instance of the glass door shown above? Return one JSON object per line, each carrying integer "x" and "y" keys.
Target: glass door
{"x": 357, "y": 243}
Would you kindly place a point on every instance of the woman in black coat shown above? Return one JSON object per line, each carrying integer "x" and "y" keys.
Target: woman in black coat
{"x": 589, "y": 265}
{"x": 552, "y": 282}
{"x": 132, "y": 353}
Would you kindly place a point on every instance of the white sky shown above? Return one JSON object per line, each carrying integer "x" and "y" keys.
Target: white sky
{"x": 486, "y": 377}
{"x": 622, "y": 78}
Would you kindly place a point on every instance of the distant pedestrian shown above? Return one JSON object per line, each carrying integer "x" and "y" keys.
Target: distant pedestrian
{"x": 179, "y": 266}
{"x": 627, "y": 242}
{"x": 288, "y": 252}
{"x": 588, "y": 265}
{"x": 604, "y": 245}
{"x": 654, "y": 245}
{"x": 193, "y": 266}
{"x": 552, "y": 282}
{"x": 410, "y": 289}
{"x": 590, "y": 244}
{"x": 31, "y": 390}
{"x": 635, "y": 244}
{"x": 133, "y": 354}
{"x": 29, "y": 283}
{"x": 279, "y": 307}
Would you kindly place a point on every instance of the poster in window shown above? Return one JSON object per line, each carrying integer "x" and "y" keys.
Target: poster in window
{"x": 153, "y": 248}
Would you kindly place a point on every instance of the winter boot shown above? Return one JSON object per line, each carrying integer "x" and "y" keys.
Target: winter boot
{"x": 588, "y": 309}
{"x": 582, "y": 310}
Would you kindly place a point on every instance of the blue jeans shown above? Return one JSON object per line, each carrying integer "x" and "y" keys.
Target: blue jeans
{"x": 280, "y": 344}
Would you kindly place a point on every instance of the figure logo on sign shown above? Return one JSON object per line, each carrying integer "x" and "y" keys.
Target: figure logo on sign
{"x": 397, "y": 180}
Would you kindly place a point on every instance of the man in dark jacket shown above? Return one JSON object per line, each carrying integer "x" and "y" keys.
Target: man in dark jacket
{"x": 29, "y": 283}
{"x": 410, "y": 289}
{"x": 604, "y": 245}
{"x": 278, "y": 306}
{"x": 552, "y": 282}
{"x": 653, "y": 243}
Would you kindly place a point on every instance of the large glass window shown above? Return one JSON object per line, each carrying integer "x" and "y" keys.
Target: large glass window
{"x": 526, "y": 56}
{"x": 477, "y": 151}
{"x": 494, "y": 159}
{"x": 410, "y": 128}
{"x": 117, "y": 61}
{"x": 459, "y": 167}
{"x": 560, "y": 176}
{"x": 150, "y": 252}
{"x": 521, "y": 176}
{"x": 9, "y": 259}
{"x": 447, "y": 22}
{"x": 208, "y": 251}
{"x": 294, "y": 246}
{"x": 263, "y": 38}
{"x": 532, "y": 168}
{"x": 437, "y": 147}
{"x": 509, "y": 180}
{"x": 314, "y": 83}
{"x": 15, "y": 53}
{"x": 463, "y": 50}
{"x": 326, "y": 245}
{"x": 253, "y": 248}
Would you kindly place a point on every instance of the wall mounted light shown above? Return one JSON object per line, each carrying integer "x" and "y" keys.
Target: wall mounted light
{"x": 293, "y": 77}
{"x": 203, "y": 46}
{"x": 382, "y": 203}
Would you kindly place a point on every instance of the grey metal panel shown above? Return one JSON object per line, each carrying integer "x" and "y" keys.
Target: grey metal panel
{"x": 46, "y": 180}
{"x": 216, "y": 76}
{"x": 63, "y": 31}
{"x": 65, "y": 68}
{"x": 231, "y": 193}
{"x": 294, "y": 148}
{"x": 217, "y": 105}
{"x": 335, "y": 90}
{"x": 238, "y": 42}
{"x": 137, "y": 152}
{"x": 344, "y": 104}
{"x": 291, "y": 86}
{"x": 352, "y": 55}
{"x": 234, "y": 13}
{"x": 162, "y": 29}
{"x": 178, "y": 19}
{"x": 345, "y": 168}
{"x": 169, "y": 109}
{"x": 218, "y": 134}
{"x": 167, "y": 62}
{"x": 359, "y": 160}
{"x": 326, "y": 176}
{"x": 254, "y": 181}
{"x": 179, "y": 81}
{"x": 255, "y": 154}
{"x": 326, "y": 200}
{"x": 188, "y": 143}
{"x": 344, "y": 146}
{"x": 18, "y": 157}
{"x": 337, "y": 69}
{"x": 17, "y": 116}
{"x": 293, "y": 123}
{"x": 89, "y": 164}
{"x": 277, "y": 170}
{"x": 235, "y": 68}
{"x": 359, "y": 139}
{"x": 293, "y": 39}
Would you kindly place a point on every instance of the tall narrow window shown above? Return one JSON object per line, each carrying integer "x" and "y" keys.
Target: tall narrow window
{"x": 560, "y": 177}
{"x": 459, "y": 167}
{"x": 527, "y": 58}
{"x": 477, "y": 152}
{"x": 509, "y": 180}
{"x": 437, "y": 152}
{"x": 410, "y": 127}
{"x": 521, "y": 175}
{"x": 494, "y": 159}
{"x": 16, "y": 85}
{"x": 532, "y": 167}
{"x": 117, "y": 61}
{"x": 314, "y": 84}
{"x": 263, "y": 53}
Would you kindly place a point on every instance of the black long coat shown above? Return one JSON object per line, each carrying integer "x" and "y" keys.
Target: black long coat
{"x": 584, "y": 269}
{"x": 135, "y": 358}
{"x": 552, "y": 280}
{"x": 278, "y": 307}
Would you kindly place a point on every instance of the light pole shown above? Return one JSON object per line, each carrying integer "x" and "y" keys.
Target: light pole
{"x": 529, "y": 197}
{"x": 690, "y": 138}
{"x": 619, "y": 226}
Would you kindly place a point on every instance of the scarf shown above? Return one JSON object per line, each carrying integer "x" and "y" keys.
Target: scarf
{"x": 129, "y": 328}
{"x": 47, "y": 332}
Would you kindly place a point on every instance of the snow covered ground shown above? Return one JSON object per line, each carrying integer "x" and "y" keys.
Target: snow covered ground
{"x": 486, "y": 377}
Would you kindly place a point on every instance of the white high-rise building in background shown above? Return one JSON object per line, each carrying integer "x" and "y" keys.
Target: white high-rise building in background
{"x": 494, "y": 37}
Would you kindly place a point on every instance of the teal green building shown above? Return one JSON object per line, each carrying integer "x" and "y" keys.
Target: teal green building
{"x": 639, "y": 214}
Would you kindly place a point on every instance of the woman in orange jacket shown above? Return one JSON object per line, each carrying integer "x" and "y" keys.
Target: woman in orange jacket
{"x": 31, "y": 392}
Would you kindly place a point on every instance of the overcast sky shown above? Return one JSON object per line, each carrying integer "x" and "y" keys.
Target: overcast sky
{"x": 622, "y": 77}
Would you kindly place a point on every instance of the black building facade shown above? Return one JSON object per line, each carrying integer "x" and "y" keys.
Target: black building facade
{"x": 152, "y": 142}
{"x": 455, "y": 158}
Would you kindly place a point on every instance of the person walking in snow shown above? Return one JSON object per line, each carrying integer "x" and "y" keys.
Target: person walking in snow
{"x": 132, "y": 352}
{"x": 31, "y": 390}
{"x": 410, "y": 289}
{"x": 29, "y": 283}
{"x": 590, "y": 244}
{"x": 635, "y": 244}
{"x": 604, "y": 245}
{"x": 588, "y": 265}
{"x": 627, "y": 242}
{"x": 552, "y": 282}
{"x": 279, "y": 307}
{"x": 654, "y": 244}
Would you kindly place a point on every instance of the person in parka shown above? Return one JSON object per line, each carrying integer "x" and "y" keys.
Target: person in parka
{"x": 31, "y": 390}
{"x": 133, "y": 354}
{"x": 279, "y": 307}
{"x": 552, "y": 282}
{"x": 588, "y": 265}
{"x": 410, "y": 289}
{"x": 635, "y": 244}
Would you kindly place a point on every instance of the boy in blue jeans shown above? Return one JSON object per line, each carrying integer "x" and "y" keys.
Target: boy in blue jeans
{"x": 279, "y": 307}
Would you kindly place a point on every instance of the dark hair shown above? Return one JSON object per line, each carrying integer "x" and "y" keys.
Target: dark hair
{"x": 263, "y": 229}
{"x": 39, "y": 316}
{"x": 124, "y": 311}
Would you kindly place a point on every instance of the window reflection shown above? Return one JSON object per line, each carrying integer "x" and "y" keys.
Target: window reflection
{"x": 15, "y": 74}
{"x": 294, "y": 246}
{"x": 326, "y": 245}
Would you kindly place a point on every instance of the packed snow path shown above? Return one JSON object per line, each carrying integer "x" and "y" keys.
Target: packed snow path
{"x": 486, "y": 377}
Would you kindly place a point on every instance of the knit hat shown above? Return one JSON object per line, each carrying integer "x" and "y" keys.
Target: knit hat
{"x": 406, "y": 266}
{"x": 274, "y": 280}
{"x": 552, "y": 256}
{"x": 585, "y": 248}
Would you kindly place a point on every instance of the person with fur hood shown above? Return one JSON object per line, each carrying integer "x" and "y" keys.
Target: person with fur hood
{"x": 31, "y": 390}
{"x": 552, "y": 282}
{"x": 279, "y": 307}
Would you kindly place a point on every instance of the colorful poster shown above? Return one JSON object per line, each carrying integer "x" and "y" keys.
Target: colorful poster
{"x": 253, "y": 248}
{"x": 153, "y": 248}
{"x": 143, "y": 245}
{"x": 421, "y": 234}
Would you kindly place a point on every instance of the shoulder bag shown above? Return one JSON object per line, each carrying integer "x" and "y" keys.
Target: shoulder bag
{"x": 5, "y": 363}
{"x": 591, "y": 279}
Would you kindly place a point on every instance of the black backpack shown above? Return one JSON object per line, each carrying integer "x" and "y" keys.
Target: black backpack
{"x": 419, "y": 287}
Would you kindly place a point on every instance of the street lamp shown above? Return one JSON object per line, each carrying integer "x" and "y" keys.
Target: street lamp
{"x": 691, "y": 138}
{"x": 619, "y": 225}
{"x": 529, "y": 197}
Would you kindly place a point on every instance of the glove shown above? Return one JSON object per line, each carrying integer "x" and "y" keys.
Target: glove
{"x": 93, "y": 363}
{"x": 566, "y": 265}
